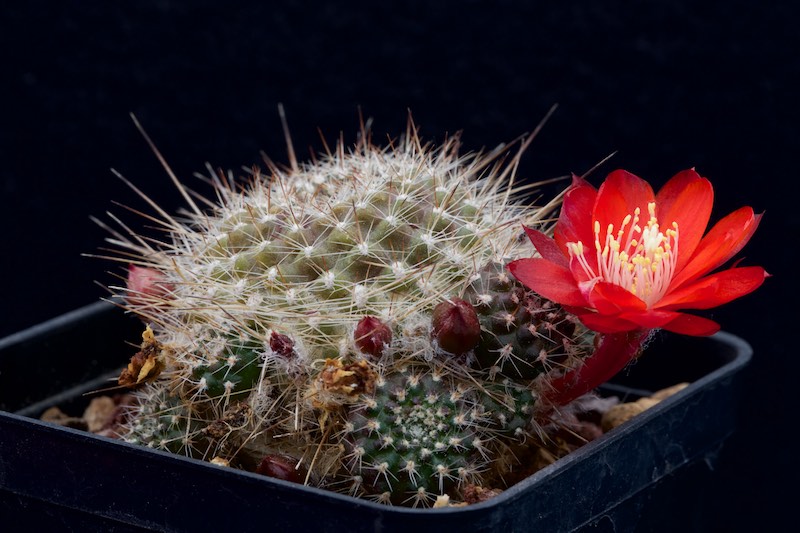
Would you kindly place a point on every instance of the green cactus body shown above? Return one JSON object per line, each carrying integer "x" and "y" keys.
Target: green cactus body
{"x": 509, "y": 408}
{"x": 414, "y": 439}
{"x": 166, "y": 422}
{"x": 523, "y": 335}
{"x": 232, "y": 376}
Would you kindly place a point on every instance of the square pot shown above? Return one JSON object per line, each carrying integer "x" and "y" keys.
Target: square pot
{"x": 53, "y": 477}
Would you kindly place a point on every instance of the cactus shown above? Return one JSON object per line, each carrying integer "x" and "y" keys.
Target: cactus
{"x": 230, "y": 375}
{"x": 415, "y": 438}
{"x": 165, "y": 421}
{"x": 352, "y": 317}
{"x": 509, "y": 406}
{"x": 522, "y": 334}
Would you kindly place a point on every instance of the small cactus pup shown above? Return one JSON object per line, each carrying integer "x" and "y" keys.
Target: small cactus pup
{"x": 349, "y": 323}
{"x": 414, "y": 439}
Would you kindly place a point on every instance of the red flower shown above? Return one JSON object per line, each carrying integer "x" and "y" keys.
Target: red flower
{"x": 624, "y": 259}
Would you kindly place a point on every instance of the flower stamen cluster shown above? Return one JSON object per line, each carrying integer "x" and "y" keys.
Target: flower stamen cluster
{"x": 644, "y": 266}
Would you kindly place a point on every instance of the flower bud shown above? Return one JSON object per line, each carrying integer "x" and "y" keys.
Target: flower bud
{"x": 146, "y": 286}
{"x": 281, "y": 467}
{"x": 456, "y": 326}
{"x": 372, "y": 336}
{"x": 282, "y": 345}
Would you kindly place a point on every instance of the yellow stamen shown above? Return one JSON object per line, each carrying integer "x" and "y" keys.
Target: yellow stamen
{"x": 644, "y": 266}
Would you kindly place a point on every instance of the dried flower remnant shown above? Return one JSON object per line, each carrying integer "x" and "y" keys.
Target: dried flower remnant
{"x": 349, "y": 380}
{"x": 146, "y": 365}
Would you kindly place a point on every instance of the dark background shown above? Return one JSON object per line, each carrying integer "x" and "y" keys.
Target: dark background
{"x": 667, "y": 85}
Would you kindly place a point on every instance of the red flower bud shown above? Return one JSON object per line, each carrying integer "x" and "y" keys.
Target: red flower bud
{"x": 456, "y": 326}
{"x": 281, "y": 467}
{"x": 282, "y": 345}
{"x": 146, "y": 286}
{"x": 372, "y": 336}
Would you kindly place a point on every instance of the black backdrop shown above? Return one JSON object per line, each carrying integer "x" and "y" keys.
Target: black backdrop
{"x": 667, "y": 85}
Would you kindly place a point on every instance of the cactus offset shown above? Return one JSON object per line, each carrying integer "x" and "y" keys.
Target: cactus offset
{"x": 416, "y": 438}
{"x": 354, "y": 315}
{"x": 165, "y": 421}
{"x": 523, "y": 334}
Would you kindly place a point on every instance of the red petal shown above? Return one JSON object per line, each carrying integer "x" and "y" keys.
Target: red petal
{"x": 669, "y": 320}
{"x": 575, "y": 221}
{"x": 619, "y": 196}
{"x": 722, "y": 242}
{"x": 584, "y": 278}
{"x": 627, "y": 321}
{"x": 546, "y": 247}
{"x": 716, "y": 289}
{"x": 609, "y": 299}
{"x": 550, "y": 280}
{"x": 686, "y": 199}
{"x": 692, "y": 325}
{"x": 607, "y": 323}
{"x": 650, "y": 319}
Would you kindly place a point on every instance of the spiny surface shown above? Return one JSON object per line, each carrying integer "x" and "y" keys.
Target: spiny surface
{"x": 265, "y": 299}
{"x": 414, "y": 439}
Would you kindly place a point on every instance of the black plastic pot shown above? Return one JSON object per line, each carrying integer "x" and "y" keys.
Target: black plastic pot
{"x": 54, "y": 478}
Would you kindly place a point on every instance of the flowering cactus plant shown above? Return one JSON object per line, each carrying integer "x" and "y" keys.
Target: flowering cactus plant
{"x": 627, "y": 282}
{"x": 376, "y": 323}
